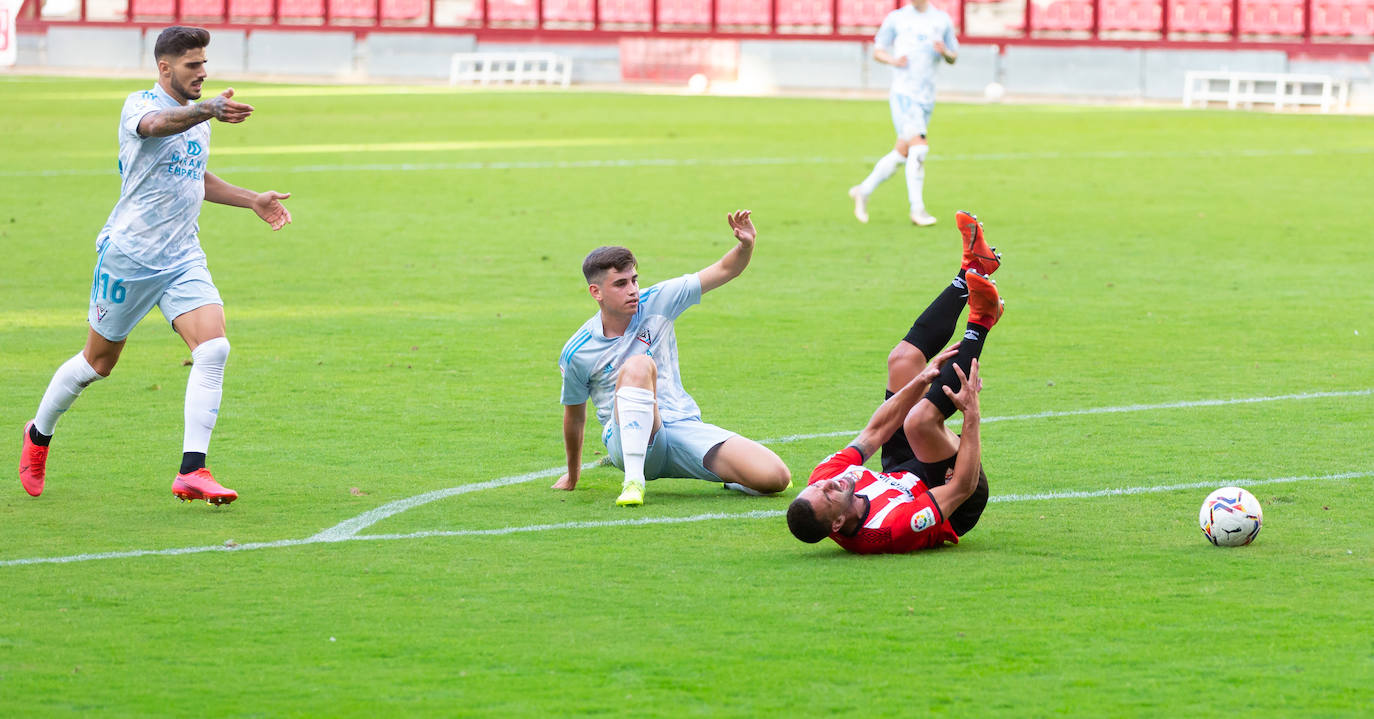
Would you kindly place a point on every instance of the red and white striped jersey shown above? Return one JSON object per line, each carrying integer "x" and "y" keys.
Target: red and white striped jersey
{"x": 902, "y": 516}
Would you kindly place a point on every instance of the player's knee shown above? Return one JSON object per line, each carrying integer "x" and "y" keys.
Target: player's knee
{"x": 922, "y": 420}
{"x": 901, "y": 147}
{"x": 212, "y": 352}
{"x": 774, "y": 477}
{"x": 638, "y": 371}
{"x": 904, "y": 361}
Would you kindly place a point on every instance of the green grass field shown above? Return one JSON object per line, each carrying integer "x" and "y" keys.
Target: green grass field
{"x": 1189, "y": 307}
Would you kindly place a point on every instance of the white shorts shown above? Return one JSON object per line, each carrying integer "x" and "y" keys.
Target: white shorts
{"x": 123, "y": 292}
{"x": 678, "y": 450}
{"x": 909, "y": 117}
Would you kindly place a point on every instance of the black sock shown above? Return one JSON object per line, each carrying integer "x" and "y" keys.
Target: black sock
{"x": 191, "y": 461}
{"x": 37, "y": 437}
{"x": 970, "y": 346}
{"x": 933, "y": 329}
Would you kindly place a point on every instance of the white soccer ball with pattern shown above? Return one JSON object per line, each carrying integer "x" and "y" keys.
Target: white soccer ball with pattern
{"x": 1230, "y": 517}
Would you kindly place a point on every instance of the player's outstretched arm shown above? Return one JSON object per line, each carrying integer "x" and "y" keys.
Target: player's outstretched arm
{"x": 884, "y": 56}
{"x": 733, "y": 263}
{"x": 267, "y": 205}
{"x": 574, "y": 422}
{"x": 965, "y": 480}
{"x": 887, "y": 419}
{"x": 180, "y": 119}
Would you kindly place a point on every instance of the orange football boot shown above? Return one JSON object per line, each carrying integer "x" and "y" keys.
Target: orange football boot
{"x": 985, "y": 306}
{"x": 33, "y": 465}
{"x": 200, "y": 484}
{"x": 977, "y": 255}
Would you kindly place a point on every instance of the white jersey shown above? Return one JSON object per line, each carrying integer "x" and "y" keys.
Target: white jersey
{"x": 591, "y": 361}
{"x": 162, "y": 187}
{"x": 905, "y": 32}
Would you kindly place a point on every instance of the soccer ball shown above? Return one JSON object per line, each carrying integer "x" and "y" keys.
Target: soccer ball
{"x": 994, "y": 92}
{"x": 1230, "y": 517}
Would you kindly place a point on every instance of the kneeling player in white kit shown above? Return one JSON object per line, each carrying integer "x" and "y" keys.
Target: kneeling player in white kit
{"x": 913, "y": 39}
{"x": 625, "y": 360}
{"x": 149, "y": 254}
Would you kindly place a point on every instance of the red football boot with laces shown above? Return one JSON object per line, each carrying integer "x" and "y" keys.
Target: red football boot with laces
{"x": 985, "y": 306}
{"x": 200, "y": 484}
{"x": 977, "y": 254}
{"x": 33, "y": 465}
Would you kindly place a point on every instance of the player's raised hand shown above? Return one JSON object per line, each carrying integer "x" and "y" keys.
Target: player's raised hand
{"x": 269, "y": 207}
{"x": 966, "y": 399}
{"x": 742, "y": 226}
{"x": 932, "y": 370}
{"x": 226, "y": 110}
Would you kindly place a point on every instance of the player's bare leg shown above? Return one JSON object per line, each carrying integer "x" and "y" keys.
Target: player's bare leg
{"x": 636, "y": 416}
{"x": 203, "y": 329}
{"x": 95, "y": 362}
{"x": 747, "y": 466}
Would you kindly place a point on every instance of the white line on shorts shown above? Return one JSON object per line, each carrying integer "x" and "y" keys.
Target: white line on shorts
{"x": 718, "y": 162}
{"x": 643, "y": 521}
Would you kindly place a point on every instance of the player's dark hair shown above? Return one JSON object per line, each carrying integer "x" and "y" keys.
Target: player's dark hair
{"x": 801, "y": 519}
{"x": 177, "y": 39}
{"x": 602, "y": 259}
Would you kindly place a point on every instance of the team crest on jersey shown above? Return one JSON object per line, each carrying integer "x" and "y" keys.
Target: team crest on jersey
{"x": 645, "y": 337}
{"x": 923, "y": 520}
{"x": 193, "y": 148}
{"x": 100, "y": 313}
{"x": 610, "y": 367}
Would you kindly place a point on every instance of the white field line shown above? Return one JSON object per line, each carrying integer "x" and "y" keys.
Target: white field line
{"x": 719, "y": 162}
{"x": 643, "y": 521}
{"x": 348, "y": 529}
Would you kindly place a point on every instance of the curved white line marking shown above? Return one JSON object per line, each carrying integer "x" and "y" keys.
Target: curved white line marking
{"x": 756, "y": 514}
{"x": 351, "y": 527}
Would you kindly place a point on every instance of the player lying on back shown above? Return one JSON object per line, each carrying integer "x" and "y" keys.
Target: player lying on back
{"x": 932, "y": 489}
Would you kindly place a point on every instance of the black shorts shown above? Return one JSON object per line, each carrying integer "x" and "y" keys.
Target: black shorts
{"x": 897, "y": 456}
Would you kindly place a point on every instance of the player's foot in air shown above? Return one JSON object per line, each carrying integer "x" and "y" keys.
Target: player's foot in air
{"x": 631, "y": 495}
{"x": 977, "y": 254}
{"x": 921, "y": 218}
{"x": 200, "y": 484}
{"x": 985, "y": 306}
{"x": 33, "y": 464}
{"x": 860, "y": 204}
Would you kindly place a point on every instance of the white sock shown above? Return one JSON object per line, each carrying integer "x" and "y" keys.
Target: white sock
{"x": 73, "y": 376}
{"x": 634, "y": 407}
{"x": 886, "y": 165}
{"x": 741, "y": 488}
{"x": 916, "y": 177}
{"x": 204, "y": 387}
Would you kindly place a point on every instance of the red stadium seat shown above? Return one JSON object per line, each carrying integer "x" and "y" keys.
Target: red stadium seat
{"x": 626, "y": 11}
{"x": 150, "y": 8}
{"x": 202, "y": 8}
{"x": 864, "y": 13}
{"x": 352, "y": 9}
{"x": 568, "y": 10}
{"x": 804, "y": 13}
{"x": 1201, "y": 16}
{"x": 512, "y": 11}
{"x": 245, "y": 9}
{"x": 405, "y": 9}
{"x": 684, "y": 12}
{"x": 742, "y": 12}
{"x": 299, "y": 9}
{"x": 1064, "y": 15}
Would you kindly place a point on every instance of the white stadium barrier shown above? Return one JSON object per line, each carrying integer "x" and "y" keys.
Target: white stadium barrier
{"x": 509, "y": 68}
{"x": 1246, "y": 89}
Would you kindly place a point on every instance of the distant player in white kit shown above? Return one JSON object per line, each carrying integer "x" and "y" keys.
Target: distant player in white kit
{"x": 625, "y": 360}
{"x": 913, "y": 39}
{"x": 149, "y": 254}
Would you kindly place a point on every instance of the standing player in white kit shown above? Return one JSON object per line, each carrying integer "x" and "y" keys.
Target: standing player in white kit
{"x": 913, "y": 39}
{"x": 149, "y": 254}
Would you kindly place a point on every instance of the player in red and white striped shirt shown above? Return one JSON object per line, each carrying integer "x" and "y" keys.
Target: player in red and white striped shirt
{"x": 896, "y": 510}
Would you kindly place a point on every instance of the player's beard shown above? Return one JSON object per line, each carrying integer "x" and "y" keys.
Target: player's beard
{"x": 187, "y": 91}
